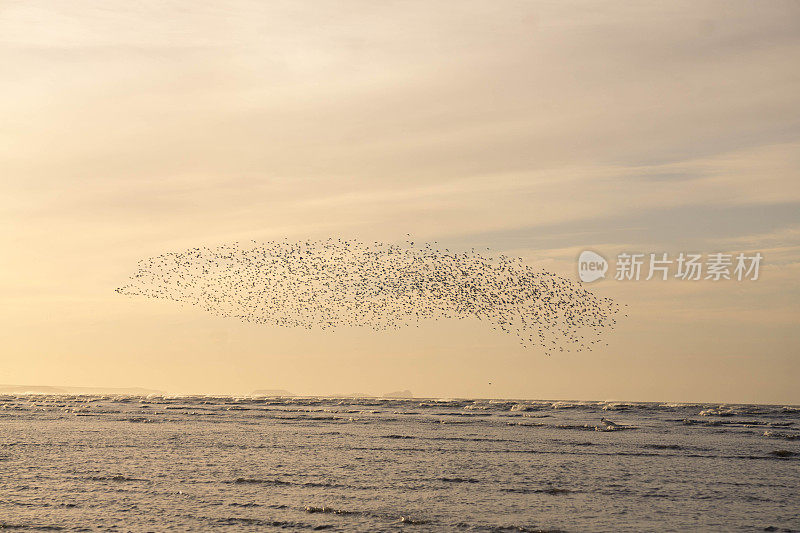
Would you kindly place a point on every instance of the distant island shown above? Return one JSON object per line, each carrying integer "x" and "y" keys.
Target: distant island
{"x": 399, "y": 394}
{"x": 273, "y": 393}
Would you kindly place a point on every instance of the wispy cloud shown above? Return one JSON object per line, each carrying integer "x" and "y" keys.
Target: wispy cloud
{"x": 535, "y": 127}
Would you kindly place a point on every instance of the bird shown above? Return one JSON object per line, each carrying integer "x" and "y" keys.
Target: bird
{"x": 608, "y": 424}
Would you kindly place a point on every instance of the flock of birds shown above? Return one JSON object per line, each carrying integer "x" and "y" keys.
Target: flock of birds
{"x": 335, "y": 282}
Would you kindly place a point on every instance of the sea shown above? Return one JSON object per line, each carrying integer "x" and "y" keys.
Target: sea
{"x": 202, "y": 463}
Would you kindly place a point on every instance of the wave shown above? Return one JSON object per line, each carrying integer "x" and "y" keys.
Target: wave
{"x": 255, "y": 481}
{"x": 506, "y": 529}
{"x": 283, "y": 482}
{"x": 138, "y": 419}
{"x": 260, "y": 522}
{"x": 548, "y": 490}
{"x": 403, "y": 519}
{"x": 780, "y": 435}
{"x": 29, "y": 527}
{"x": 619, "y": 406}
{"x": 569, "y": 405}
{"x": 718, "y": 411}
{"x": 119, "y": 478}
{"x": 783, "y": 453}
{"x": 412, "y": 521}
{"x": 526, "y": 407}
{"x": 591, "y": 427}
{"x": 330, "y": 510}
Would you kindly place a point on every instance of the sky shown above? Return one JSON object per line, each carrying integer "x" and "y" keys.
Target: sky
{"x": 538, "y": 129}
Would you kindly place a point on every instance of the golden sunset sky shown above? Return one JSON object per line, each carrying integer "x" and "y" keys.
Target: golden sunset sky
{"x": 538, "y": 129}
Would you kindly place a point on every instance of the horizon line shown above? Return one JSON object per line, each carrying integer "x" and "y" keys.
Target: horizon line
{"x": 148, "y": 392}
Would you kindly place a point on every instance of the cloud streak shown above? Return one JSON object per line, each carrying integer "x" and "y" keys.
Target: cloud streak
{"x": 539, "y": 127}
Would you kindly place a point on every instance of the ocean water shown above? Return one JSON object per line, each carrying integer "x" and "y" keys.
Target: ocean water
{"x": 127, "y": 463}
